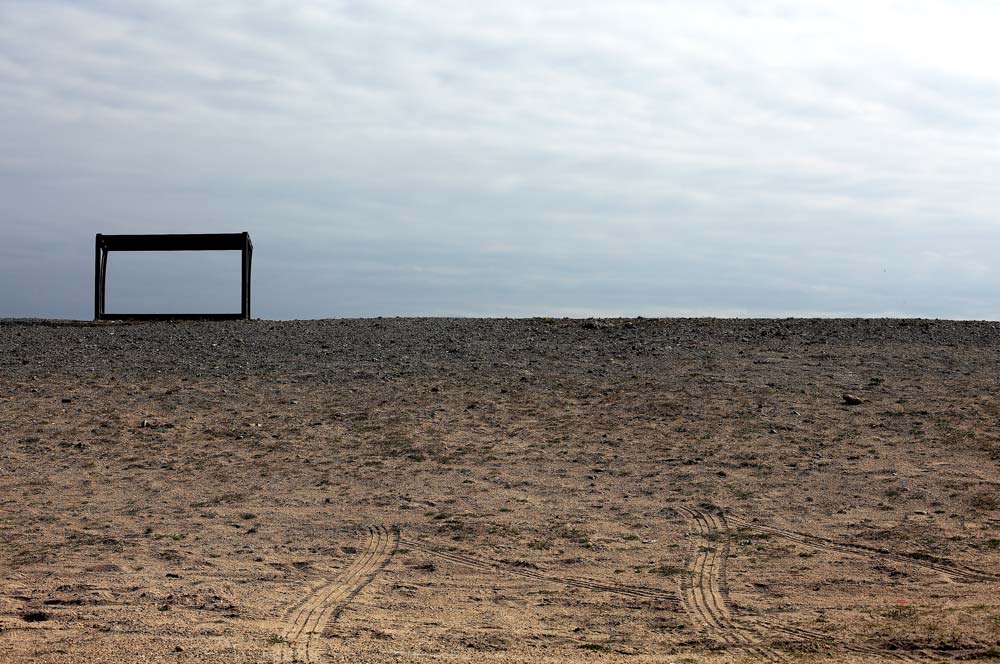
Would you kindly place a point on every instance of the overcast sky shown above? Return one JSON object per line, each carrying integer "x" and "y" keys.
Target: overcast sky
{"x": 429, "y": 157}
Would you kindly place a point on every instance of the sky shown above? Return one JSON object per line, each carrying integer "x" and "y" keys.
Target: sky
{"x": 522, "y": 158}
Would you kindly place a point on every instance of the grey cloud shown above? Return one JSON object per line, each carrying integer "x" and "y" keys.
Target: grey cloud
{"x": 451, "y": 158}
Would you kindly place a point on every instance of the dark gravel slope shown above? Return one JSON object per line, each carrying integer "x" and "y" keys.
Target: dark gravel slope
{"x": 367, "y": 349}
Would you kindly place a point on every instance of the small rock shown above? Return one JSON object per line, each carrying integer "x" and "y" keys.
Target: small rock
{"x": 852, "y": 400}
{"x": 178, "y": 648}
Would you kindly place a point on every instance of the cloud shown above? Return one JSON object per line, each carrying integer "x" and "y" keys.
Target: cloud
{"x": 402, "y": 157}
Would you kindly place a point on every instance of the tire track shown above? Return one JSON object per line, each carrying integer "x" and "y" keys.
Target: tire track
{"x": 307, "y": 619}
{"x": 637, "y": 592}
{"x": 704, "y": 593}
{"x": 828, "y": 642}
{"x": 953, "y": 570}
{"x": 715, "y": 601}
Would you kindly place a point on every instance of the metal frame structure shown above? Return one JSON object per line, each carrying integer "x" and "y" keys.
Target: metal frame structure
{"x": 175, "y": 242}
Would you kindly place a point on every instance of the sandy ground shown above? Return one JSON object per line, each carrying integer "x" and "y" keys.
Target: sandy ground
{"x": 434, "y": 490}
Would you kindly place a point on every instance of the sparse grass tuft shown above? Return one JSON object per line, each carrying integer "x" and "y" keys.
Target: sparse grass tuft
{"x": 901, "y": 613}
{"x": 667, "y": 570}
{"x": 987, "y": 500}
{"x": 573, "y": 535}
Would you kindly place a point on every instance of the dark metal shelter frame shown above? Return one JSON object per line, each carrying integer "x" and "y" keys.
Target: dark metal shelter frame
{"x": 174, "y": 242}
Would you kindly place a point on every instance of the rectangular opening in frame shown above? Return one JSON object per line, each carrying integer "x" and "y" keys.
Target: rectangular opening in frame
{"x": 105, "y": 245}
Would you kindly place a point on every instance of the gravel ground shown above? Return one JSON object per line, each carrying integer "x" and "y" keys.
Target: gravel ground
{"x": 523, "y": 490}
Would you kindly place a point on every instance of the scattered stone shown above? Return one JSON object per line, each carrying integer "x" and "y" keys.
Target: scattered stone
{"x": 150, "y": 424}
{"x": 852, "y": 400}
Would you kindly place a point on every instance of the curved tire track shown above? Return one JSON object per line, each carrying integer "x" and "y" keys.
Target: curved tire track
{"x": 829, "y": 642}
{"x": 306, "y": 620}
{"x": 953, "y": 570}
{"x": 704, "y": 593}
{"x": 637, "y": 592}
{"x": 709, "y": 602}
